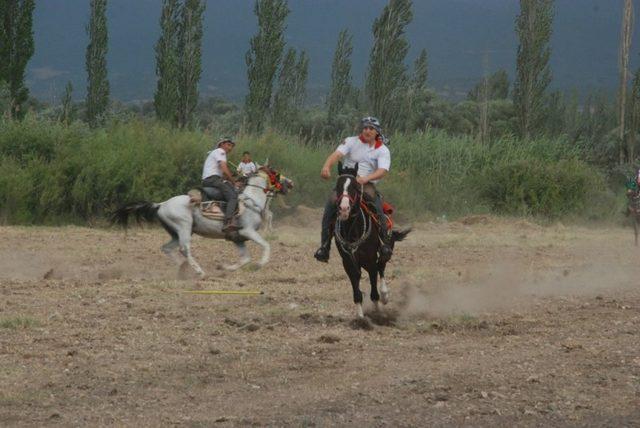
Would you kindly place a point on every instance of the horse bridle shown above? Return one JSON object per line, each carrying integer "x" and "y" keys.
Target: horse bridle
{"x": 347, "y": 246}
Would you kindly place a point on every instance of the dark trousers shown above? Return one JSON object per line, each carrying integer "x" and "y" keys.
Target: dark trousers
{"x": 331, "y": 210}
{"x": 228, "y": 193}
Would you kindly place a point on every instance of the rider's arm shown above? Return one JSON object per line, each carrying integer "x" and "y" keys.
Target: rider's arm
{"x": 375, "y": 175}
{"x": 331, "y": 160}
{"x": 225, "y": 171}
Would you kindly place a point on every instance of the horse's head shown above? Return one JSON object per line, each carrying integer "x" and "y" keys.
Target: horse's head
{"x": 346, "y": 190}
{"x": 276, "y": 182}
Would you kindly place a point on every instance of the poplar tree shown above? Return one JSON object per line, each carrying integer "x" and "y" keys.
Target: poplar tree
{"x": 417, "y": 98}
{"x": 301, "y": 75}
{"x": 263, "y": 58}
{"x": 386, "y": 81}
{"x": 285, "y": 92}
{"x": 190, "y": 48}
{"x": 167, "y": 63}
{"x": 533, "y": 27}
{"x": 66, "y": 115}
{"x": 340, "y": 75}
{"x": 290, "y": 94}
{"x": 625, "y": 45}
{"x": 420, "y": 72}
{"x": 16, "y": 49}
{"x": 634, "y": 122}
{"x": 96, "y": 62}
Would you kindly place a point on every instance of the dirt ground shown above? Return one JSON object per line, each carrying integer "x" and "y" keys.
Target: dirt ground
{"x": 491, "y": 323}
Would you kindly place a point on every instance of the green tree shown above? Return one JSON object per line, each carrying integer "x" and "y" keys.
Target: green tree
{"x": 96, "y": 62}
{"x": 340, "y": 75}
{"x": 420, "y": 72}
{"x": 497, "y": 86}
{"x": 301, "y": 75}
{"x": 66, "y": 114}
{"x": 625, "y": 45}
{"x": 418, "y": 97}
{"x": 190, "y": 48}
{"x": 16, "y": 49}
{"x": 263, "y": 59}
{"x": 386, "y": 81}
{"x": 291, "y": 90}
{"x": 168, "y": 62}
{"x": 533, "y": 27}
{"x": 634, "y": 120}
{"x": 285, "y": 92}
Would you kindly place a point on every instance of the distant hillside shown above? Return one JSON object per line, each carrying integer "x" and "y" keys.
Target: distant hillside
{"x": 455, "y": 33}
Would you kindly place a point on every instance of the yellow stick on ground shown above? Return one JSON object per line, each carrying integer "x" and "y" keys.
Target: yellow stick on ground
{"x": 249, "y": 293}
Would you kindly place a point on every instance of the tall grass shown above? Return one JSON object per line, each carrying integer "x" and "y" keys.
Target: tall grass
{"x": 50, "y": 173}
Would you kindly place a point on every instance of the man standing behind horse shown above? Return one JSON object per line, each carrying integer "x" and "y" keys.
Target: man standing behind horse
{"x": 373, "y": 158}
{"x": 214, "y": 172}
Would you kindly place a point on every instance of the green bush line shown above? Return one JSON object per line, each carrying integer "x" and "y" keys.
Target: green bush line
{"x": 55, "y": 174}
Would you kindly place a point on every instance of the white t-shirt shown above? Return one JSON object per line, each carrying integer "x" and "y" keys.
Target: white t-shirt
{"x": 212, "y": 163}
{"x": 368, "y": 158}
{"x": 247, "y": 168}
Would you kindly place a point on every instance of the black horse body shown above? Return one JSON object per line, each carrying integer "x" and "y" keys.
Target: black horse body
{"x": 357, "y": 238}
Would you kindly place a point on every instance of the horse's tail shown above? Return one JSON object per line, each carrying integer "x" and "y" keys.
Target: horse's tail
{"x": 399, "y": 235}
{"x": 147, "y": 211}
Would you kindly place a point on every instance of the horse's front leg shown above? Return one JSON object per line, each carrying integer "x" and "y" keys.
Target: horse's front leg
{"x": 244, "y": 256}
{"x": 255, "y": 236}
{"x": 373, "y": 280}
{"x": 354, "y": 274}
{"x": 384, "y": 290}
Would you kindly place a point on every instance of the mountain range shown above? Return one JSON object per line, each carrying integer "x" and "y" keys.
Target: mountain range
{"x": 464, "y": 39}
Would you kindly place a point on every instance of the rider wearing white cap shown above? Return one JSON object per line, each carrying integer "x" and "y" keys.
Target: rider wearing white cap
{"x": 369, "y": 152}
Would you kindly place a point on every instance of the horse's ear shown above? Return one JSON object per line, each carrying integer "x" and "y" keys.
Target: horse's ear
{"x": 355, "y": 169}
{"x": 340, "y": 168}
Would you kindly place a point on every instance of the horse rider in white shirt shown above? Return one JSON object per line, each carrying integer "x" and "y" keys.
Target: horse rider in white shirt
{"x": 369, "y": 151}
{"x": 216, "y": 174}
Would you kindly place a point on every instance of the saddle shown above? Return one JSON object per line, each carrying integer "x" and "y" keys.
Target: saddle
{"x": 387, "y": 209}
{"x": 211, "y": 203}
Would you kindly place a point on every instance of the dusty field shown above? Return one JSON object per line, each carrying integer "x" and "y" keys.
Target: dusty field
{"x": 491, "y": 323}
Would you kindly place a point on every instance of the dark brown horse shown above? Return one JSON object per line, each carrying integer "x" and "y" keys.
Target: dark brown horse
{"x": 357, "y": 238}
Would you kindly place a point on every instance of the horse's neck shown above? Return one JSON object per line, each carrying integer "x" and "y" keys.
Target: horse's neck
{"x": 255, "y": 190}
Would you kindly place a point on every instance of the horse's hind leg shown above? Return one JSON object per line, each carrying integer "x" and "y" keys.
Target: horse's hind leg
{"x": 170, "y": 250}
{"x": 185, "y": 249}
{"x": 244, "y": 257}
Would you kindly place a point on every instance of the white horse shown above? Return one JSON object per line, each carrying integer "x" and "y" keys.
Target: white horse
{"x": 181, "y": 216}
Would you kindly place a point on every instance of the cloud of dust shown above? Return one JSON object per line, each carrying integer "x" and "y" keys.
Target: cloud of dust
{"x": 511, "y": 286}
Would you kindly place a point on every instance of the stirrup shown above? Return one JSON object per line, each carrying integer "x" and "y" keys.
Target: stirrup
{"x": 230, "y": 226}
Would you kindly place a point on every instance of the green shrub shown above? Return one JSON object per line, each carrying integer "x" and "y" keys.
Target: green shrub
{"x": 52, "y": 173}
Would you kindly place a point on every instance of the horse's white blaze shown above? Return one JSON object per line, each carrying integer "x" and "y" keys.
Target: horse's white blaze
{"x": 344, "y": 201}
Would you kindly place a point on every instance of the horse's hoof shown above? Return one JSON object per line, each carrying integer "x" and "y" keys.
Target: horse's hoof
{"x": 384, "y": 298}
